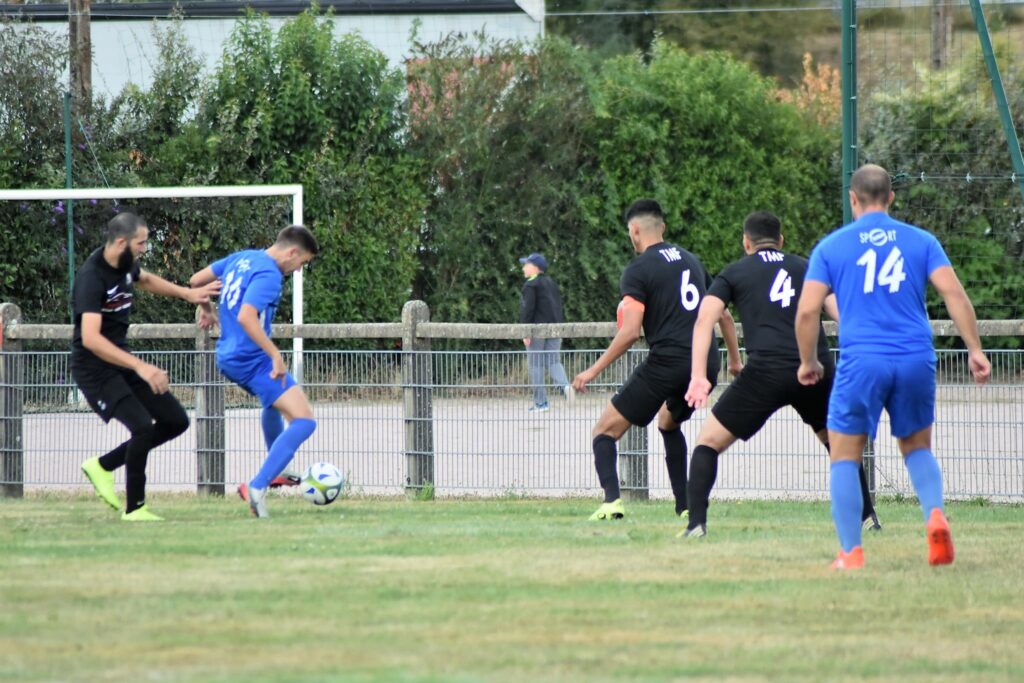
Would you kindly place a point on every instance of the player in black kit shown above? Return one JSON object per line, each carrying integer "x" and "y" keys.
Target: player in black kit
{"x": 116, "y": 383}
{"x": 764, "y": 286}
{"x": 661, "y": 291}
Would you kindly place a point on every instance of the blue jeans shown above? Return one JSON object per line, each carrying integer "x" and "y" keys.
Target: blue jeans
{"x": 541, "y": 355}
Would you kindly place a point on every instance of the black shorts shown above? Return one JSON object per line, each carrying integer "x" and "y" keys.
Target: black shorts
{"x": 104, "y": 389}
{"x": 758, "y": 392}
{"x": 658, "y": 380}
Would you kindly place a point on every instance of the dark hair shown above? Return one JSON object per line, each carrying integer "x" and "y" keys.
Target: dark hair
{"x": 644, "y": 207}
{"x": 298, "y": 236}
{"x": 762, "y": 226}
{"x": 124, "y": 224}
{"x": 871, "y": 184}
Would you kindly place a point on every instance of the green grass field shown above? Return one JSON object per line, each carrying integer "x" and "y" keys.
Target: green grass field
{"x": 500, "y": 590}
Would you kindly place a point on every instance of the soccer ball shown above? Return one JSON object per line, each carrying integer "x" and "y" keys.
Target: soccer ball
{"x": 321, "y": 483}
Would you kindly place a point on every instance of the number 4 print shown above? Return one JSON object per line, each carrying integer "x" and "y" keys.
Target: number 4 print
{"x": 782, "y": 289}
{"x": 891, "y": 274}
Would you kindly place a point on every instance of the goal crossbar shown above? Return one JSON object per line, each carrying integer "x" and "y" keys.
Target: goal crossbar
{"x": 293, "y": 191}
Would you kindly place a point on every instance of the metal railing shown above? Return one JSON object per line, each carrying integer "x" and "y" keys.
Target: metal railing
{"x": 457, "y": 420}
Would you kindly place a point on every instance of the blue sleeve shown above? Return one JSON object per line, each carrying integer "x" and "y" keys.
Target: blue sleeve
{"x": 262, "y": 291}
{"x": 817, "y": 267}
{"x": 218, "y": 267}
{"x": 936, "y": 255}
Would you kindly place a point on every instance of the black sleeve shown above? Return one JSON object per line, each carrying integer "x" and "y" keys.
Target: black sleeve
{"x": 632, "y": 284}
{"x": 136, "y": 271}
{"x": 528, "y": 303}
{"x": 88, "y": 294}
{"x": 721, "y": 287}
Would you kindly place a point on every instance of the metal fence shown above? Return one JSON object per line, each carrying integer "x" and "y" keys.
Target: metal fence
{"x": 458, "y": 420}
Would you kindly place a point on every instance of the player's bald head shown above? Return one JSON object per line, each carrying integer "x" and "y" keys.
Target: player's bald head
{"x": 871, "y": 184}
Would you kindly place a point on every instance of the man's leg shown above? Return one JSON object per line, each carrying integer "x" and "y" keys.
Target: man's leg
{"x": 133, "y": 415}
{"x": 535, "y": 364}
{"x": 294, "y": 405}
{"x": 555, "y": 367}
{"x": 846, "y": 451}
{"x": 712, "y": 441}
{"x": 675, "y": 457}
{"x": 868, "y": 507}
{"x": 609, "y": 429}
{"x": 926, "y": 477}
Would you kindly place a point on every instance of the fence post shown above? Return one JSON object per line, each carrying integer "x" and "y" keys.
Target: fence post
{"x": 634, "y": 472}
{"x": 417, "y": 399}
{"x": 12, "y": 399}
{"x": 209, "y": 402}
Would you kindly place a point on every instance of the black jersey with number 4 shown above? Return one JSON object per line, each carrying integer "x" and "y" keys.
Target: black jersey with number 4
{"x": 765, "y": 287}
{"x": 100, "y": 288}
{"x": 670, "y": 282}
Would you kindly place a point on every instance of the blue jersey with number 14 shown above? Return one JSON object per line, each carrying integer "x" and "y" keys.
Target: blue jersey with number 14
{"x": 249, "y": 277}
{"x": 878, "y": 268}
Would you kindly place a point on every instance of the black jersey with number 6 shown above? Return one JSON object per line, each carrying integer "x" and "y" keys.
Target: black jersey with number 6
{"x": 670, "y": 282}
{"x": 765, "y": 287}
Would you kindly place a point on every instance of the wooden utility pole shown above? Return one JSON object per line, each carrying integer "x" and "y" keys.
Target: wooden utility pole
{"x": 942, "y": 33}
{"x": 80, "y": 37}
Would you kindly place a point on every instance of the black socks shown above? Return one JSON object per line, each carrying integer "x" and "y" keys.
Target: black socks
{"x": 675, "y": 461}
{"x": 703, "y": 472}
{"x": 605, "y": 460}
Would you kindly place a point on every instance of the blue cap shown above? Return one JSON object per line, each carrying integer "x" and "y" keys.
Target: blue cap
{"x": 537, "y": 260}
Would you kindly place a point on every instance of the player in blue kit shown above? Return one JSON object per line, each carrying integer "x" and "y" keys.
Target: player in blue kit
{"x": 250, "y": 293}
{"x": 879, "y": 269}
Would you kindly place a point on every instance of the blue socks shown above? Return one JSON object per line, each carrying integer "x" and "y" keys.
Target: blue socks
{"x": 273, "y": 425}
{"x": 847, "y": 504}
{"x": 283, "y": 450}
{"x": 926, "y": 477}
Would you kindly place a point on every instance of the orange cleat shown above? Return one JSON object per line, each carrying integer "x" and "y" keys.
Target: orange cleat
{"x": 851, "y": 560}
{"x": 940, "y": 541}
{"x": 243, "y": 492}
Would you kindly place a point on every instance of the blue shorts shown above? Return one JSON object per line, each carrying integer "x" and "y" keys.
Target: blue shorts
{"x": 866, "y": 384}
{"x": 256, "y": 380}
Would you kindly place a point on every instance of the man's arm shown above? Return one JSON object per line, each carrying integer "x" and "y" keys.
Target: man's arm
{"x": 632, "y": 322}
{"x": 207, "y": 316}
{"x": 732, "y": 344}
{"x": 832, "y": 307}
{"x": 527, "y": 306}
{"x": 711, "y": 310}
{"x": 808, "y": 320}
{"x": 157, "y": 285}
{"x": 961, "y": 310}
{"x": 107, "y": 351}
{"x": 249, "y": 319}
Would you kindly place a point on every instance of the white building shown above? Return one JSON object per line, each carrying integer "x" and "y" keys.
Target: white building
{"x": 124, "y": 50}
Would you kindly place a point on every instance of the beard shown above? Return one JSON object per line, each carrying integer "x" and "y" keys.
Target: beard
{"x": 126, "y": 260}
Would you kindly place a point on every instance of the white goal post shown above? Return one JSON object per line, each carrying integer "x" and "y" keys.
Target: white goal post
{"x": 293, "y": 191}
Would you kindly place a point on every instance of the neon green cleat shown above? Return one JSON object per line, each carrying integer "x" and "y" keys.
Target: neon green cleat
{"x": 141, "y": 514}
{"x": 102, "y": 481}
{"x": 608, "y": 511}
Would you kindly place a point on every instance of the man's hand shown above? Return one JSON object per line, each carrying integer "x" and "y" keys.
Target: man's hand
{"x": 580, "y": 382}
{"x": 155, "y": 377}
{"x": 697, "y": 393}
{"x": 202, "y": 295}
{"x": 810, "y": 373}
{"x": 279, "y": 369}
{"x": 207, "y": 319}
{"x": 735, "y": 368}
{"x": 979, "y": 365}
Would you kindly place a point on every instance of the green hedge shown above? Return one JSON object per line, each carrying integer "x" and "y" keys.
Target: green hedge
{"x": 431, "y": 182}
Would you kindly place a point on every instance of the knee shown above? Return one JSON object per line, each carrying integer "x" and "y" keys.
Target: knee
{"x": 176, "y": 424}
{"x": 144, "y": 431}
